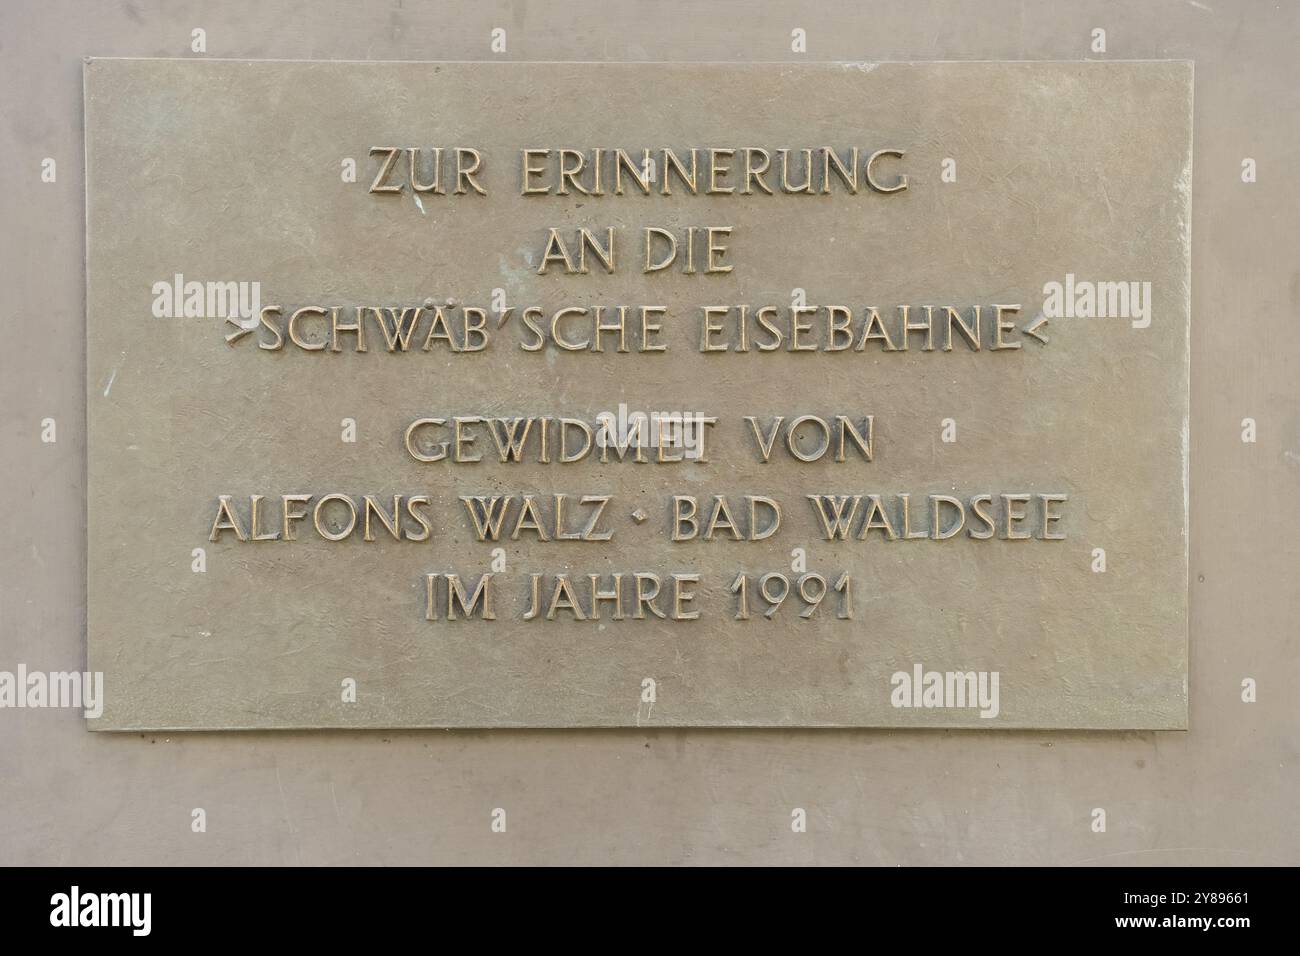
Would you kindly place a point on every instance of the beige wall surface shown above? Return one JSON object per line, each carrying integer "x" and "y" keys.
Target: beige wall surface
{"x": 1222, "y": 792}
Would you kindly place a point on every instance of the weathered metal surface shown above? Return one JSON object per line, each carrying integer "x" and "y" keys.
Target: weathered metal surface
{"x": 1029, "y": 187}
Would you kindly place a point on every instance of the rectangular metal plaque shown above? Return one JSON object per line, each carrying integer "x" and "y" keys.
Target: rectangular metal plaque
{"x": 559, "y": 395}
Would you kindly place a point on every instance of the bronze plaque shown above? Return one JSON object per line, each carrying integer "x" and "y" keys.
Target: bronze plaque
{"x": 558, "y": 395}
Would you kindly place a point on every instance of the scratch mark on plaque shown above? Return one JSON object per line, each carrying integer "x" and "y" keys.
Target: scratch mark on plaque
{"x": 1110, "y": 210}
{"x": 1185, "y": 437}
{"x": 1183, "y": 186}
{"x": 496, "y": 710}
{"x": 113, "y": 375}
{"x": 416, "y": 197}
{"x": 279, "y": 785}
